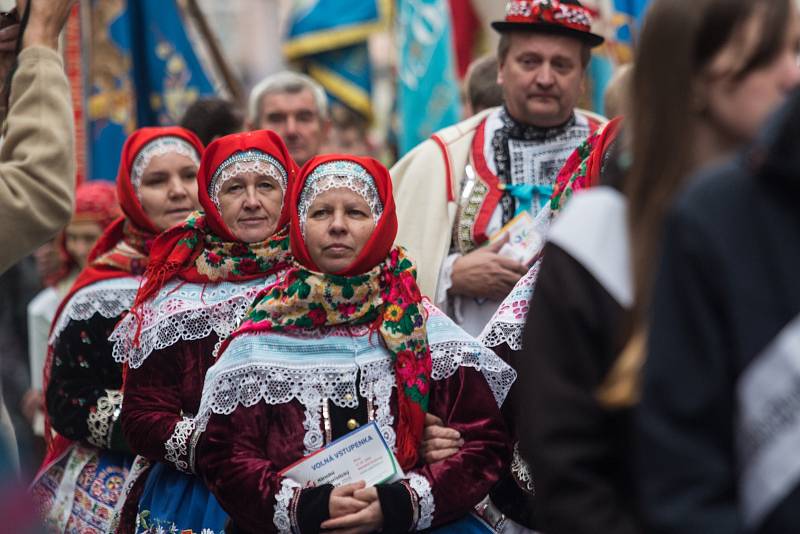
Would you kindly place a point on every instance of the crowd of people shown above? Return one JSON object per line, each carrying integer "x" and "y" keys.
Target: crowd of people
{"x": 556, "y": 322}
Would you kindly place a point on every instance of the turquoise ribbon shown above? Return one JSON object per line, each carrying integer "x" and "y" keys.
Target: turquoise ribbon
{"x": 524, "y": 193}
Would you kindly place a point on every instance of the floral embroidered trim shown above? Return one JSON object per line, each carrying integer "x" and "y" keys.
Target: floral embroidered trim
{"x": 521, "y": 472}
{"x": 473, "y": 195}
{"x": 102, "y": 419}
{"x": 508, "y": 322}
{"x": 177, "y": 445}
{"x": 183, "y": 312}
{"x": 109, "y": 298}
{"x": 285, "y": 517}
{"x": 422, "y": 489}
{"x": 138, "y": 468}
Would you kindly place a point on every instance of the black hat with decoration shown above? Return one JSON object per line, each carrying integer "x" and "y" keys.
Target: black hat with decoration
{"x": 558, "y": 17}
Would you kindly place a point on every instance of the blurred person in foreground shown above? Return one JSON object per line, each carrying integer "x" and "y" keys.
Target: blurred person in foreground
{"x": 37, "y": 167}
{"x": 457, "y": 190}
{"x": 717, "y": 425}
{"x": 481, "y": 90}
{"x": 211, "y": 118}
{"x": 96, "y": 207}
{"x": 731, "y": 63}
{"x": 296, "y": 108}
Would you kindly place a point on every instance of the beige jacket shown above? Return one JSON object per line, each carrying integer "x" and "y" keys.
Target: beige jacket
{"x": 422, "y": 181}
{"x": 37, "y": 157}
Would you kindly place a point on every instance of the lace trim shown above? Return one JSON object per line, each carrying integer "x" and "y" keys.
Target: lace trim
{"x": 102, "y": 419}
{"x": 427, "y": 507}
{"x": 521, "y": 472}
{"x": 284, "y": 518}
{"x": 109, "y": 298}
{"x": 377, "y": 382}
{"x": 183, "y": 312}
{"x": 449, "y": 356}
{"x": 254, "y": 161}
{"x": 508, "y": 322}
{"x": 314, "y": 439}
{"x": 167, "y": 144}
{"x": 280, "y": 382}
{"x": 177, "y": 446}
{"x": 335, "y": 175}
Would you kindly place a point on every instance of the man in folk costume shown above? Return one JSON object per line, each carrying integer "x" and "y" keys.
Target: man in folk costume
{"x": 459, "y": 188}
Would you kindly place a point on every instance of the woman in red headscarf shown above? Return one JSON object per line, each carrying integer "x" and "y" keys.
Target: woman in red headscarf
{"x": 88, "y": 459}
{"x": 96, "y": 207}
{"x": 345, "y": 339}
{"x": 201, "y": 279}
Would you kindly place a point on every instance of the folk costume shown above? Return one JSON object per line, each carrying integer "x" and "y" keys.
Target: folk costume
{"x": 590, "y": 165}
{"x": 717, "y": 423}
{"x": 88, "y": 459}
{"x": 199, "y": 283}
{"x": 459, "y": 188}
{"x": 321, "y": 354}
{"x": 95, "y": 202}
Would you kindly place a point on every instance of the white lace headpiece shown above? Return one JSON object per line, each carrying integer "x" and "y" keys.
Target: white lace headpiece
{"x": 158, "y": 147}
{"x": 252, "y": 160}
{"x": 335, "y": 175}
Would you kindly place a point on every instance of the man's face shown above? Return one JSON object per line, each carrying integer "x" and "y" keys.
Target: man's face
{"x": 541, "y": 77}
{"x": 295, "y": 118}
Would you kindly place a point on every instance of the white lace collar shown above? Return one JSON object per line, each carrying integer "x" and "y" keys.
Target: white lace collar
{"x": 109, "y": 298}
{"x": 278, "y": 368}
{"x": 184, "y": 312}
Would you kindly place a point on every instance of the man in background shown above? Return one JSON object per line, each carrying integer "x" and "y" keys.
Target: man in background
{"x": 295, "y": 107}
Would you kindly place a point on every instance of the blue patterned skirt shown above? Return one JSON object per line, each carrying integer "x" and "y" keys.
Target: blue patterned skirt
{"x": 176, "y": 502}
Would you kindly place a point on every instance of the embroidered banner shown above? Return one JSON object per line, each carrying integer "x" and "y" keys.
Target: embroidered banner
{"x": 143, "y": 70}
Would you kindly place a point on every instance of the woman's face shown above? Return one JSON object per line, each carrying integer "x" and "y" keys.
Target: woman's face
{"x": 740, "y": 107}
{"x": 168, "y": 191}
{"x": 250, "y": 204}
{"x": 338, "y": 225}
{"x": 79, "y": 238}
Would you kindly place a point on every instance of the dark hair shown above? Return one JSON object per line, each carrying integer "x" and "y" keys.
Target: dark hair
{"x": 678, "y": 41}
{"x": 482, "y": 88}
{"x": 504, "y": 45}
{"x": 210, "y": 118}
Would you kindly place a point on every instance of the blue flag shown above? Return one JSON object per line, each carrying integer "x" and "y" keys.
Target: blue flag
{"x": 143, "y": 71}
{"x": 428, "y": 96}
{"x": 329, "y": 40}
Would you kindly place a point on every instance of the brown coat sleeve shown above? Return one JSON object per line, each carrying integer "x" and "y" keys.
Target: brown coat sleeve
{"x": 37, "y": 157}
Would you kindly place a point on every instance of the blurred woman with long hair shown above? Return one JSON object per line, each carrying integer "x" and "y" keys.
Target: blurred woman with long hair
{"x": 707, "y": 74}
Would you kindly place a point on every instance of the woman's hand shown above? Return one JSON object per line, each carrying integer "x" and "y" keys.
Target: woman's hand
{"x": 369, "y": 519}
{"x": 438, "y": 441}
{"x": 342, "y": 501}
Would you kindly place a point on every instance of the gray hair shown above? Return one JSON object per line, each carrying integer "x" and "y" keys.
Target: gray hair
{"x": 286, "y": 82}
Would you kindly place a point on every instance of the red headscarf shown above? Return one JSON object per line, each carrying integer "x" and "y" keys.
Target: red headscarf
{"x": 134, "y": 229}
{"x": 379, "y": 244}
{"x": 95, "y": 202}
{"x": 381, "y": 291}
{"x": 176, "y": 252}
